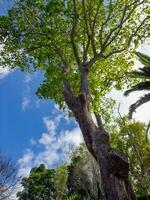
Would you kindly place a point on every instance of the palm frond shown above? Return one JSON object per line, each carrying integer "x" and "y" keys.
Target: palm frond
{"x": 138, "y": 74}
{"x": 138, "y": 87}
{"x": 144, "y": 99}
{"x": 144, "y": 71}
{"x": 143, "y": 58}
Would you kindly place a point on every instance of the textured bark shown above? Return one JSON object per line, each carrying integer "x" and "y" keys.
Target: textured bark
{"x": 113, "y": 165}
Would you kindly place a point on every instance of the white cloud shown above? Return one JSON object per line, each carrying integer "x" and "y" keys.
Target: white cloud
{"x": 4, "y": 72}
{"x": 26, "y": 96}
{"x": 32, "y": 142}
{"x": 141, "y": 113}
{"x": 27, "y": 78}
{"x": 55, "y": 145}
{"x": 25, "y": 102}
{"x": 25, "y": 163}
{"x": 72, "y": 137}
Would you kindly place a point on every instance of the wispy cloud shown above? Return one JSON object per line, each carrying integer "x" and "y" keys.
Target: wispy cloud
{"x": 26, "y": 96}
{"x": 27, "y": 78}
{"x": 25, "y": 102}
{"x": 4, "y": 72}
{"x": 55, "y": 145}
{"x": 25, "y": 163}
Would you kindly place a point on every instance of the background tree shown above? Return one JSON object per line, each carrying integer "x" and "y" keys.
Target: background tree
{"x": 39, "y": 185}
{"x": 85, "y": 49}
{"x": 144, "y": 74}
{"x": 130, "y": 138}
{"x": 84, "y": 178}
{"x": 8, "y": 177}
{"x": 61, "y": 176}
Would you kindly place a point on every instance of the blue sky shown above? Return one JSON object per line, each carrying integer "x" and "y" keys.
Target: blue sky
{"x": 32, "y": 131}
{"x": 27, "y": 123}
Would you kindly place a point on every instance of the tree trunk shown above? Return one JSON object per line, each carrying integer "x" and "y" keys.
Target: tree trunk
{"x": 113, "y": 165}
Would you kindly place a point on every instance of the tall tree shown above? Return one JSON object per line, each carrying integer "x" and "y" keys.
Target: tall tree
{"x": 144, "y": 74}
{"x": 129, "y": 137}
{"x": 39, "y": 185}
{"x": 84, "y": 178}
{"x": 85, "y": 48}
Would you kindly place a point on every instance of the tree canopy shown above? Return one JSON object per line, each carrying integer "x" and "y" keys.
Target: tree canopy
{"x": 40, "y": 184}
{"x": 62, "y": 37}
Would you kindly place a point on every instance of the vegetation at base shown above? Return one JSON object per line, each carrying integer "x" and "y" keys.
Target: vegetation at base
{"x": 80, "y": 178}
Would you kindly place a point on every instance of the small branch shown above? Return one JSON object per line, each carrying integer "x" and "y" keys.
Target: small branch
{"x": 118, "y": 109}
{"x": 113, "y": 52}
{"x": 137, "y": 29}
{"x": 103, "y": 24}
{"x": 106, "y": 43}
{"x": 99, "y": 121}
{"x": 147, "y": 131}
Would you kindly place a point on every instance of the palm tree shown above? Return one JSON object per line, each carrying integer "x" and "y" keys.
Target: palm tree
{"x": 143, "y": 73}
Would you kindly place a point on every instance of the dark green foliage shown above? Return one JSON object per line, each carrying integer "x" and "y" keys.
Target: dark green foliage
{"x": 129, "y": 137}
{"x": 143, "y": 73}
{"x": 40, "y": 184}
{"x": 84, "y": 176}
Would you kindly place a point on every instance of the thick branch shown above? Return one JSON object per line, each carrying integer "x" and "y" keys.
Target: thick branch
{"x": 70, "y": 99}
{"x": 84, "y": 84}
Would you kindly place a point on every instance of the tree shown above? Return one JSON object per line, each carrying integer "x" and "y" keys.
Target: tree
{"x": 8, "y": 177}
{"x": 84, "y": 178}
{"x": 85, "y": 48}
{"x": 144, "y": 74}
{"x": 129, "y": 138}
{"x": 39, "y": 185}
{"x": 61, "y": 176}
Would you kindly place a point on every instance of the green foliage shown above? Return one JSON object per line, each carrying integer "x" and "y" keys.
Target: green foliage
{"x": 40, "y": 184}
{"x": 80, "y": 179}
{"x": 61, "y": 176}
{"x": 130, "y": 138}
{"x": 84, "y": 179}
{"x": 37, "y": 35}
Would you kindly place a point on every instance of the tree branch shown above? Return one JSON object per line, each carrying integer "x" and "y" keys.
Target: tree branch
{"x": 73, "y": 33}
{"x": 99, "y": 121}
{"x": 103, "y": 24}
{"x": 87, "y": 33}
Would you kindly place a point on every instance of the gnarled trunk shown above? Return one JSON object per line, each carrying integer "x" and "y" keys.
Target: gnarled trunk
{"x": 113, "y": 165}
